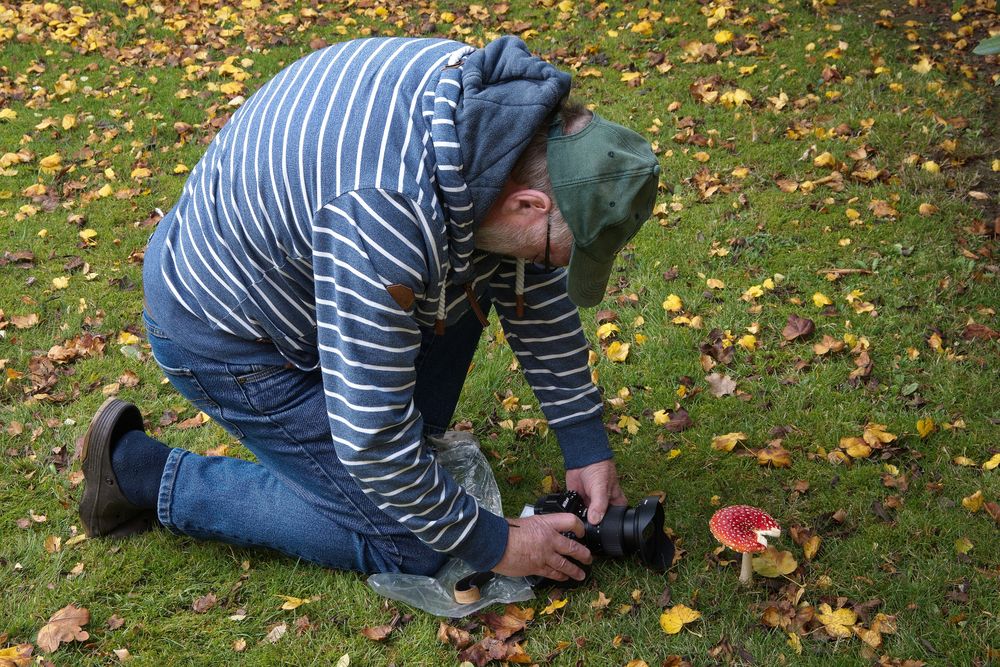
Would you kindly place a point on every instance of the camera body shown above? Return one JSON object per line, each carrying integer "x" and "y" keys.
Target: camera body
{"x": 623, "y": 530}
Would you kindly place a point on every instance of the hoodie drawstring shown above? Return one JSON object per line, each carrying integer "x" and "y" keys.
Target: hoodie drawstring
{"x": 519, "y": 288}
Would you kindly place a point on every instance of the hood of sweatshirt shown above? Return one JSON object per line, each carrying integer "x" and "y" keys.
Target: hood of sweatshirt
{"x": 486, "y": 106}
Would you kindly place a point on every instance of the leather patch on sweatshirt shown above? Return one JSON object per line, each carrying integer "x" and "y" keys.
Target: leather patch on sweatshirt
{"x": 401, "y": 294}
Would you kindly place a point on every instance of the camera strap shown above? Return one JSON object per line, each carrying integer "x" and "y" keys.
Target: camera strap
{"x": 467, "y": 589}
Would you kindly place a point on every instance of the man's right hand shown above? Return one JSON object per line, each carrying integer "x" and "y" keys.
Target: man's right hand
{"x": 536, "y": 546}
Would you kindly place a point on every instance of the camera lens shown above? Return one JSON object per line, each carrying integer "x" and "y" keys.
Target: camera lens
{"x": 627, "y": 530}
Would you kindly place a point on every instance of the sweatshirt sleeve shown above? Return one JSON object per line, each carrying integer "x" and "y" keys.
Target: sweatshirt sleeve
{"x": 552, "y": 349}
{"x": 364, "y": 242}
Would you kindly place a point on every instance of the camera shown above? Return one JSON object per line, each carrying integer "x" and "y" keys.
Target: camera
{"x": 622, "y": 532}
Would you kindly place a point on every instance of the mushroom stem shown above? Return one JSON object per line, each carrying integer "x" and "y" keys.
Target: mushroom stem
{"x": 746, "y": 571}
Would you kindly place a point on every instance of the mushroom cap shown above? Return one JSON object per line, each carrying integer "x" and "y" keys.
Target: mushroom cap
{"x": 742, "y": 528}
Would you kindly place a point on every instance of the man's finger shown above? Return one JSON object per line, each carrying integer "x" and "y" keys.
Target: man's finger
{"x": 598, "y": 505}
{"x": 565, "y": 522}
{"x": 574, "y": 550}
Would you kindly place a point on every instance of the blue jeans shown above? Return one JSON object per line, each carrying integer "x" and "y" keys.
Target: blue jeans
{"x": 298, "y": 499}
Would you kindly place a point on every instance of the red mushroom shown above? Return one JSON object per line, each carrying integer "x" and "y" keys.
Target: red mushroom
{"x": 745, "y": 529}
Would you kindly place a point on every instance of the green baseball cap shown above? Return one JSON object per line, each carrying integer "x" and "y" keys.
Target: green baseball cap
{"x": 604, "y": 179}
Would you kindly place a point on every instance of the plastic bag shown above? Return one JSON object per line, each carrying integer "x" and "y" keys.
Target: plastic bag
{"x": 458, "y": 452}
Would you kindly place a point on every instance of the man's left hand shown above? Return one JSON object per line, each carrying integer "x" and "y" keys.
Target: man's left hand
{"x": 598, "y": 486}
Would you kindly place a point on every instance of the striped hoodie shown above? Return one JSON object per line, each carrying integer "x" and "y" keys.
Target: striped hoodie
{"x": 362, "y": 166}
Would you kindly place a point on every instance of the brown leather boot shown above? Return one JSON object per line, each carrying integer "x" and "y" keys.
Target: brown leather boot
{"x": 104, "y": 510}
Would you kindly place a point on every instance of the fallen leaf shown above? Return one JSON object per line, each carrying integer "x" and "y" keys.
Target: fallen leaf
{"x": 773, "y": 563}
{"x": 16, "y": 656}
{"x": 797, "y": 327}
{"x": 204, "y": 603}
{"x": 66, "y": 625}
{"x": 727, "y": 442}
{"x": 276, "y": 632}
{"x": 449, "y": 634}
{"x": 554, "y": 605}
{"x": 973, "y": 503}
{"x": 837, "y": 623}
{"x": 675, "y": 618}
{"x": 720, "y": 385}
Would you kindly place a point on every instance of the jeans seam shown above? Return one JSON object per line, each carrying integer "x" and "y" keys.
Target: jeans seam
{"x": 165, "y": 496}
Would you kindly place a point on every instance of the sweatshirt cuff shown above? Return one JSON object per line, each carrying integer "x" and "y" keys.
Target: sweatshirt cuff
{"x": 483, "y": 548}
{"x": 583, "y": 443}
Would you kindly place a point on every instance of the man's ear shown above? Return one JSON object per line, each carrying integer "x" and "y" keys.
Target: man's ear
{"x": 527, "y": 204}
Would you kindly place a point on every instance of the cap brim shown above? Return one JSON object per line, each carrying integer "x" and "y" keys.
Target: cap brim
{"x": 588, "y": 279}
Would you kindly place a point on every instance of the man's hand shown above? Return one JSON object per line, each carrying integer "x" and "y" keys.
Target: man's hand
{"x": 598, "y": 486}
{"x": 535, "y": 546}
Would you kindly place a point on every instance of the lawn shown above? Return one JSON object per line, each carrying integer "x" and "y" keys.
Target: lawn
{"x": 808, "y": 324}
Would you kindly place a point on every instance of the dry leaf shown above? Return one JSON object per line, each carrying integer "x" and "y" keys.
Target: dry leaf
{"x": 727, "y": 442}
{"x": 276, "y": 632}
{"x": 797, "y": 327}
{"x": 66, "y": 625}
{"x": 773, "y": 563}
{"x": 675, "y": 618}
{"x": 204, "y": 603}
{"x": 720, "y": 385}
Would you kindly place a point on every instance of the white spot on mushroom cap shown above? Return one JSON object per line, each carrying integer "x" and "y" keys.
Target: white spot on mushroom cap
{"x": 742, "y": 527}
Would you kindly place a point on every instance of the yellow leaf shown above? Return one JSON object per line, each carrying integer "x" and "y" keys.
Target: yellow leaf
{"x": 556, "y": 604}
{"x": 825, "y": 159}
{"x": 837, "y": 623}
{"x": 607, "y": 329}
{"x": 821, "y": 300}
{"x": 660, "y": 417}
{"x": 963, "y": 545}
{"x": 8, "y": 114}
{"x": 566, "y": 6}
{"x": 127, "y": 338}
{"x": 702, "y": 156}
{"x": 723, "y": 37}
{"x": 973, "y": 503}
{"x": 773, "y": 563}
{"x": 231, "y": 88}
{"x": 618, "y": 351}
{"x": 726, "y": 443}
{"x": 631, "y": 424}
{"x": 180, "y": 168}
{"x": 675, "y": 618}
{"x": 735, "y": 98}
{"x": 748, "y": 342}
{"x": 811, "y": 546}
{"x": 88, "y": 236}
{"x": 673, "y": 303}
{"x": 50, "y": 164}
{"x": 795, "y": 643}
{"x": 925, "y": 427}
{"x": 69, "y": 121}
{"x": 106, "y": 190}
{"x": 926, "y": 209}
{"x": 643, "y": 28}
{"x": 140, "y": 172}
{"x": 293, "y": 602}
{"x": 590, "y": 72}
{"x": 923, "y": 66}
{"x": 932, "y": 167}
{"x": 992, "y": 463}
{"x": 753, "y": 292}
{"x": 62, "y": 282}
{"x": 628, "y": 77}
{"x": 740, "y": 172}
{"x": 963, "y": 461}
{"x": 876, "y": 435}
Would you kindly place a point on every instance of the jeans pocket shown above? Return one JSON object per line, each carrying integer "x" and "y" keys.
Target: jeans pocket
{"x": 271, "y": 390}
{"x": 186, "y": 383}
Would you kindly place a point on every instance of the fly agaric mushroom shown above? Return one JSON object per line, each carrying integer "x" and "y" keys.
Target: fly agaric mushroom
{"x": 745, "y": 529}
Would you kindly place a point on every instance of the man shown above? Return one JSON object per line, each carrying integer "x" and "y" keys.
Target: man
{"x": 320, "y": 287}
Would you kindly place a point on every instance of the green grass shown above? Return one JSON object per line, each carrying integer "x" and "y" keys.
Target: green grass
{"x": 922, "y": 280}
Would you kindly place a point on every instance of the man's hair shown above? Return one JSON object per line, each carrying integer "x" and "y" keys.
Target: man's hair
{"x": 532, "y": 169}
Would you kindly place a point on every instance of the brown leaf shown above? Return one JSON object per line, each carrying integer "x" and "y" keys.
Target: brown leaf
{"x": 115, "y": 622}
{"x": 66, "y": 625}
{"x": 484, "y": 651}
{"x": 15, "y": 656}
{"x": 775, "y": 454}
{"x": 981, "y": 331}
{"x": 797, "y": 327}
{"x": 276, "y": 632}
{"x": 679, "y": 421}
{"x": 204, "y": 603}
{"x": 449, "y": 634}
{"x": 721, "y": 385}
{"x": 513, "y": 620}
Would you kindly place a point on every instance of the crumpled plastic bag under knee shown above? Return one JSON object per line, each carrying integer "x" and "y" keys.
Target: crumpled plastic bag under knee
{"x": 459, "y": 453}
